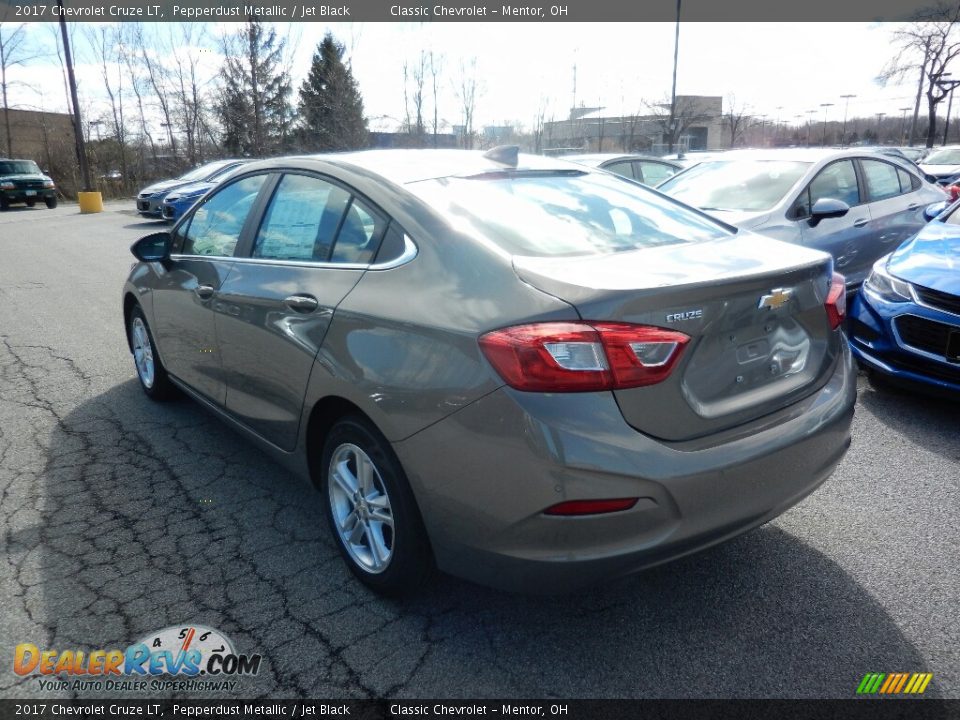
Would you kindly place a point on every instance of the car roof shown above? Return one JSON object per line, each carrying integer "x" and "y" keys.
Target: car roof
{"x": 408, "y": 166}
{"x": 595, "y": 159}
{"x": 809, "y": 155}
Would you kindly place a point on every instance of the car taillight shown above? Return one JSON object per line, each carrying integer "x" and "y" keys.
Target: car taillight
{"x": 836, "y": 303}
{"x": 590, "y": 507}
{"x": 582, "y": 357}
{"x": 953, "y": 191}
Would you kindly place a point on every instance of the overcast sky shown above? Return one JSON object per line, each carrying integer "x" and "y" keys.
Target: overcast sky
{"x": 766, "y": 66}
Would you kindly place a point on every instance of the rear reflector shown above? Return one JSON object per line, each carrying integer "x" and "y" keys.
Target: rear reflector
{"x": 590, "y": 507}
{"x": 582, "y": 357}
{"x": 836, "y": 303}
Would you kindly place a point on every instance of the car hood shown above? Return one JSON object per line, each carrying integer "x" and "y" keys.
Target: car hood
{"x": 24, "y": 177}
{"x": 165, "y": 185}
{"x": 740, "y": 218}
{"x": 930, "y": 259}
{"x": 939, "y": 170}
{"x": 194, "y": 189}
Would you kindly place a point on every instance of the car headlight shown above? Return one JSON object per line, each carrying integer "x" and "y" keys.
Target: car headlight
{"x": 48, "y": 184}
{"x": 885, "y": 286}
{"x": 6, "y": 185}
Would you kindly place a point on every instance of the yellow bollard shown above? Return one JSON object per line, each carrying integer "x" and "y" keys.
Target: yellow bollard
{"x": 90, "y": 202}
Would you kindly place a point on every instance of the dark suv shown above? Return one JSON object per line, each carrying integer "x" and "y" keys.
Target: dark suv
{"x": 21, "y": 181}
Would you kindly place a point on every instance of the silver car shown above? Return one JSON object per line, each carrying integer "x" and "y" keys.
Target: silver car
{"x": 150, "y": 199}
{"x": 521, "y": 371}
{"x": 642, "y": 168}
{"x": 854, "y": 204}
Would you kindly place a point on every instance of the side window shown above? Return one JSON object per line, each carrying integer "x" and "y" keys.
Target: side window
{"x": 908, "y": 183}
{"x": 621, "y": 168}
{"x": 654, "y": 173}
{"x": 216, "y": 225}
{"x": 359, "y": 235}
{"x": 837, "y": 180}
{"x": 301, "y": 220}
{"x": 881, "y": 179}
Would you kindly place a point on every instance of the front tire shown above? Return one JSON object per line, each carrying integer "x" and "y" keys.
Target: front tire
{"x": 51, "y": 202}
{"x": 150, "y": 371}
{"x": 371, "y": 510}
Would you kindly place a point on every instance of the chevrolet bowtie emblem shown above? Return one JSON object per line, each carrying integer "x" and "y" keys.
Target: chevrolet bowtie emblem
{"x": 777, "y": 298}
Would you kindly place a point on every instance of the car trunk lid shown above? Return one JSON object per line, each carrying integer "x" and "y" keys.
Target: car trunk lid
{"x": 753, "y": 308}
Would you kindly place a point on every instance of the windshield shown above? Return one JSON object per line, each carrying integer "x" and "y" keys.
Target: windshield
{"x": 744, "y": 185}
{"x": 204, "y": 171}
{"x": 944, "y": 157}
{"x": 18, "y": 167}
{"x": 563, "y": 213}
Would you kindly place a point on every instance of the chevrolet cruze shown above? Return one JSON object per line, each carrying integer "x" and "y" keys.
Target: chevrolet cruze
{"x": 518, "y": 370}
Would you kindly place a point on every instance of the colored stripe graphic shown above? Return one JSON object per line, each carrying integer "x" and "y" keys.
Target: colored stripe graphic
{"x": 894, "y": 683}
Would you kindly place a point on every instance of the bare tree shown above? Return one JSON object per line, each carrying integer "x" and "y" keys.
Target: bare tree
{"x": 414, "y": 79}
{"x": 687, "y": 113}
{"x": 158, "y": 78}
{"x": 13, "y": 51}
{"x": 736, "y": 119}
{"x": 467, "y": 91}
{"x": 929, "y": 44}
{"x": 436, "y": 68}
{"x": 109, "y": 50}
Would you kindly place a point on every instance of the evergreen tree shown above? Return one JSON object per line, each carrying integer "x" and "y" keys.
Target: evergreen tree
{"x": 254, "y": 105}
{"x": 331, "y": 107}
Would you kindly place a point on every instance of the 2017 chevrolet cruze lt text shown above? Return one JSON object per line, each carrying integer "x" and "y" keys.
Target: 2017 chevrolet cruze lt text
{"x": 524, "y": 372}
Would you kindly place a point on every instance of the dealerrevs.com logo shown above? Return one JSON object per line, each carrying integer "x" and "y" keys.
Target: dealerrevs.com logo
{"x": 200, "y": 658}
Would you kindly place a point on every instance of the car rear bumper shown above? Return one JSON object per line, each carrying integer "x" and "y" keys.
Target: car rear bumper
{"x": 484, "y": 475}
{"x": 878, "y": 346}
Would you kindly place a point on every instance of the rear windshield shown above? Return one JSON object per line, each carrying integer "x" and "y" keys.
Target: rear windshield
{"x": 744, "y": 185}
{"x": 564, "y": 213}
{"x": 943, "y": 157}
{"x": 18, "y": 167}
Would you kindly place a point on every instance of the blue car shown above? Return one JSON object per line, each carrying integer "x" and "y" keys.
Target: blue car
{"x": 150, "y": 199}
{"x": 905, "y": 321}
{"x": 181, "y": 199}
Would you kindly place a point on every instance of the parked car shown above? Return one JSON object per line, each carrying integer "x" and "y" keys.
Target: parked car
{"x": 528, "y": 373}
{"x": 181, "y": 199}
{"x": 150, "y": 199}
{"x": 914, "y": 154}
{"x": 692, "y": 157}
{"x": 943, "y": 163}
{"x": 905, "y": 322}
{"x": 854, "y": 204}
{"x": 22, "y": 181}
{"x": 642, "y": 168}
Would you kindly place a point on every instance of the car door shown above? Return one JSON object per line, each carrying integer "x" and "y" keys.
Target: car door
{"x": 313, "y": 245}
{"x": 895, "y": 203}
{"x": 847, "y": 238}
{"x": 201, "y": 260}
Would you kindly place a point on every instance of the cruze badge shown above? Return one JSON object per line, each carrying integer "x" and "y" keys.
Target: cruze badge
{"x": 688, "y": 315}
{"x": 777, "y": 298}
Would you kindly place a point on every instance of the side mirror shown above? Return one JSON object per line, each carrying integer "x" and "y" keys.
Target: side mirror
{"x": 931, "y": 211}
{"x": 152, "y": 248}
{"x": 827, "y": 208}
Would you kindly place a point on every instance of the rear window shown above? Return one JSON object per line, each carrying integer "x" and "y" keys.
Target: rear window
{"x": 18, "y": 167}
{"x": 743, "y": 185}
{"x": 566, "y": 213}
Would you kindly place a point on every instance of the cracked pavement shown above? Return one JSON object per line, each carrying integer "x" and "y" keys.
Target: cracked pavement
{"x": 119, "y": 517}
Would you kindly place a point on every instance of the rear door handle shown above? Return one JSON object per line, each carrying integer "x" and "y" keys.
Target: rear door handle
{"x": 204, "y": 292}
{"x": 302, "y": 303}
{"x": 860, "y": 223}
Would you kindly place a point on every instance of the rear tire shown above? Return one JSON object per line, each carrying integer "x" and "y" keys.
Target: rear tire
{"x": 51, "y": 202}
{"x": 371, "y": 510}
{"x": 150, "y": 371}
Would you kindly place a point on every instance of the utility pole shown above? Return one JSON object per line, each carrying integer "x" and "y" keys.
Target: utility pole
{"x": 879, "y": 120}
{"x": 825, "y": 106}
{"x": 673, "y": 91}
{"x": 846, "y": 107}
{"x": 77, "y": 125}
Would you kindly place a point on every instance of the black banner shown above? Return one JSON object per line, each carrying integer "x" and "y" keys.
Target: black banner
{"x": 459, "y": 11}
{"x": 854, "y": 709}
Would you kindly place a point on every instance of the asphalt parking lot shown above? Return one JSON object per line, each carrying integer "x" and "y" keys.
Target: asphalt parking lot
{"x": 120, "y": 517}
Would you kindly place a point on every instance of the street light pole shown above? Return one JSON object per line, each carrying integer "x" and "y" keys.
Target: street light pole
{"x": 673, "y": 91}
{"x": 825, "y": 106}
{"x": 77, "y": 125}
{"x": 951, "y": 84}
{"x": 810, "y": 114}
{"x": 879, "y": 119}
{"x": 903, "y": 124}
{"x": 846, "y": 107}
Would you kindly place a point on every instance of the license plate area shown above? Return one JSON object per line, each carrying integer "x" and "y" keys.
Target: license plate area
{"x": 30, "y": 193}
{"x": 953, "y": 346}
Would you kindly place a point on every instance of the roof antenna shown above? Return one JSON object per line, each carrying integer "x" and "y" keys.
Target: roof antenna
{"x": 504, "y": 154}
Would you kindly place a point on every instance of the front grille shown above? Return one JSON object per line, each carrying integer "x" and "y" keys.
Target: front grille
{"x": 143, "y": 205}
{"x": 927, "y": 368}
{"x": 922, "y": 334}
{"x": 30, "y": 184}
{"x": 940, "y": 300}
{"x": 167, "y": 211}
